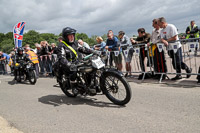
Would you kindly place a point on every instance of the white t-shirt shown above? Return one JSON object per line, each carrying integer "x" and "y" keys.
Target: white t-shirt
{"x": 169, "y": 32}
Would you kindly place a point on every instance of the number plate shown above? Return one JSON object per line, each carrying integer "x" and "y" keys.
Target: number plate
{"x": 97, "y": 63}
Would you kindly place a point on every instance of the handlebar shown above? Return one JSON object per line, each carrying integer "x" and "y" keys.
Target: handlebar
{"x": 87, "y": 57}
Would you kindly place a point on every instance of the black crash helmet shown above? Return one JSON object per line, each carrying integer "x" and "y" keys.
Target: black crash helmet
{"x": 20, "y": 49}
{"x": 68, "y": 31}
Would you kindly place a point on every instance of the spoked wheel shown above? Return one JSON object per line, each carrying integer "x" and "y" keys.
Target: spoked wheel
{"x": 32, "y": 77}
{"x": 116, "y": 88}
{"x": 65, "y": 87}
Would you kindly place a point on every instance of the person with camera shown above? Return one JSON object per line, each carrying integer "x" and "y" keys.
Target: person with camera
{"x": 46, "y": 57}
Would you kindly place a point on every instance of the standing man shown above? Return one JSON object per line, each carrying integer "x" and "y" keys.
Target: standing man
{"x": 112, "y": 45}
{"x": 158, "y": 57}
{"x": 169, "y": 33}
{"x": 192, "y": 31}
{"x": 126, "y": 45}
{"x": 4, "y": 59}
{"x": 143, "y": 37}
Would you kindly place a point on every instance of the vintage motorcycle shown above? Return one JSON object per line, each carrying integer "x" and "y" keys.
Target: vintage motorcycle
{"x": 25, "y": 71}
{"x": 92, "y": 74}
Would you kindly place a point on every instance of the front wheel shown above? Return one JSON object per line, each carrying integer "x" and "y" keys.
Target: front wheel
{"x": 32, "y": 77}
{"x": 18, "y": 75}
{"x": 116, "y": 88}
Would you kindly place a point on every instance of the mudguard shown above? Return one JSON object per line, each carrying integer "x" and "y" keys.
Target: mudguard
{"x": 113, "y": 70}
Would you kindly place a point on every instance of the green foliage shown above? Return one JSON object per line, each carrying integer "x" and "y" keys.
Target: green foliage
{"x": 7, "y": 45}
{"x": 9, "y": 35}
{"x": 31, "y": 37}
{"x": 2, "y": 36}
{"x": 82, "y": 36}
{"x": 104, "y": 37}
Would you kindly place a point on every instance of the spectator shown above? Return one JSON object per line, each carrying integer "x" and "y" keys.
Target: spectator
{"x": 60, "y": 39}
{"x": 192, "y": 31}
{"x": 158, "y": 57}
{"x": 198, "y": 77}
{"x": 126, "y": 45}
{"x": 112, "y": 44}
{"x": 4, "y": 59}
{"x": 53, "y": 48}
{"x": 101, "y": 46}
{"x": 54, "y": 52}
{"x": 11, "y": 64}
{"x": 169, "y": 34}
{"x": 38, "y": 52}
{"x": 83, "y": 44}
{"x": 143, "y": 38}
{"x": 46, "y": 57}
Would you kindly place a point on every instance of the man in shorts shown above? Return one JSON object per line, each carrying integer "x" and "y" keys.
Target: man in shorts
{"x": 127, "y": 48}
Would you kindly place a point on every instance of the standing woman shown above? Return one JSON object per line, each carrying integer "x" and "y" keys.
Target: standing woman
{"x": 101, "y": 46}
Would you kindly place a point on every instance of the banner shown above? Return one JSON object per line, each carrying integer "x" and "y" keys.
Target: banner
{"x": 18, "y": 34}
{"x": 191, "y": 46}
{"x": 137, "y": 51}
{"x": 108, "y": 53}
{"x": 160, "y": 47}
{"x": 116, "y": 53}
{"x": 174, "y": 46}
{"x": 126, "y": 52}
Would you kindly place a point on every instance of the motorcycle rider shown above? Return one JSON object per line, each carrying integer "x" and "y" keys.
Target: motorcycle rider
{"x": 20, "y": 57}
{"x": 69, "y": 52}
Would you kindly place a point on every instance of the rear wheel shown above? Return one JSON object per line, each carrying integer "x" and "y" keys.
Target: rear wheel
{"x": 65, "y": 87}
{"x": 116, "y": 88}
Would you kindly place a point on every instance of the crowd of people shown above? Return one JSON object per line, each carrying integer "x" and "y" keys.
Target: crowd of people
{"x": 45, "y": 55}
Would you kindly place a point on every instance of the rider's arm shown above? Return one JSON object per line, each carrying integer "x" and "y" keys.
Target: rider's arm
{"x": 61, "y": 51}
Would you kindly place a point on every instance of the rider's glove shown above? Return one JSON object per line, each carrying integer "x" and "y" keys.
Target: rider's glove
{"x": 73, "y": 67}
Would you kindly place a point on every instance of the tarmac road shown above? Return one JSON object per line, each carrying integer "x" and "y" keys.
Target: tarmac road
{"x": 43, "y": 108}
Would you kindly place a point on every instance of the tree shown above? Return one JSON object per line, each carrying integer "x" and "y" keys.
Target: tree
{"x": 2, "y": 36}
{"x": 9, "y": 35}
{"x": 7, "y": 45}
{"x": 82, "y": 36}
{"x": 104, "y": 37}
{"x": 49, "y": 37}
{"x": 31, "y": 37}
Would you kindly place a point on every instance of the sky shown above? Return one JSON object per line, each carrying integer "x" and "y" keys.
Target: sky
{"x": 96, "y": 17}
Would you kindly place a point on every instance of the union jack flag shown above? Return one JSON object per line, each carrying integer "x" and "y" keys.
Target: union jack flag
{"x": 18, "y": 34}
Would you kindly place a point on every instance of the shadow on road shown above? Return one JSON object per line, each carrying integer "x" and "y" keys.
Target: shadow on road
{"x": 13, "y": 82}
{"x": 57, "y": 100}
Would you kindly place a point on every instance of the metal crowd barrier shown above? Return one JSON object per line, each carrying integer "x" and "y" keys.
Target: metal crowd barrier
{"x": 46, "y": 62}
{"x": 190, "y": 56}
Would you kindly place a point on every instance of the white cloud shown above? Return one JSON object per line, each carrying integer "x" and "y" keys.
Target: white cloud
{"x": 96, "y": 16}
